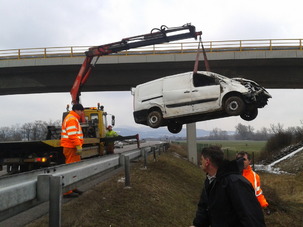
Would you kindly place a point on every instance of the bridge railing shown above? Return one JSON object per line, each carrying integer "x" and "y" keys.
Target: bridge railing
{"x": 168, "y": 48}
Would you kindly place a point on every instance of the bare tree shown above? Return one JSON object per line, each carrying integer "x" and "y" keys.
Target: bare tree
{"x": 244, "y": 132}
{"x": 29, "y": 131}
{"x": 275, "y": 129}
{"x": 39, "y": 130}
{"x": 3, "y": 133}
{"x": 262, "y": 134}
{"x": 15, "y": 133}
{"x": 218, "y": 134}
{"x": 26, "y": 131}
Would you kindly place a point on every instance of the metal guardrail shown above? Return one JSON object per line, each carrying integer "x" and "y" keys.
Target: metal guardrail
{"x": 23, "y": 191}
{"x": 168, "y": 48}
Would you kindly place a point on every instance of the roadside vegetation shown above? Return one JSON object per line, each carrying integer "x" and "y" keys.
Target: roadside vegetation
{"x": 36, "y": 130}
{"x": 265, "y": 144}
{"x": 166, "y": 194}
{"x": 230, "y": 147}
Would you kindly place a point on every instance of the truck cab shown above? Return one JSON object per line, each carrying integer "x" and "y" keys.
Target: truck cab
{"x": 93, "y": 128}
{"x": 96, "y": 121}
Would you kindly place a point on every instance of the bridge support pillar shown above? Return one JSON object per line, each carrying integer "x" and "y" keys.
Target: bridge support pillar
{"x": 192, "y": 142}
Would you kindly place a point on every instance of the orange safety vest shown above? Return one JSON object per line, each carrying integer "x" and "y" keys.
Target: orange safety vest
{"x": 71, "y": 134}
{"x": 254, "y": 179}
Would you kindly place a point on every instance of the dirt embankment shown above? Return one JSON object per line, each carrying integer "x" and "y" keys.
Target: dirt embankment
{"x": 293, "y": 164}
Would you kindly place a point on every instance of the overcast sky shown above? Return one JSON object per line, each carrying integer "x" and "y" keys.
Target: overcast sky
{"x": 58, "y": 23}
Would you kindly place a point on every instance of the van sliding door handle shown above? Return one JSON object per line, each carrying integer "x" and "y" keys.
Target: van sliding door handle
{"x": 194, "y": 90}
{"x": 186, "y": 92}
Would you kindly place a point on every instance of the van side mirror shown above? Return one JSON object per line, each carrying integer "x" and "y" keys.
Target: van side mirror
{"x": 113, "y": 120}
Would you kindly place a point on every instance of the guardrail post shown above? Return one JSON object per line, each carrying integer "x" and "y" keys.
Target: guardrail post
{"x": 160, "y": 149}
{"x": 127, "y": 171}
{"x": 55, "y": 198}
{"x": 145, "y": 158}
{"x": 154, "y": 153}
{"x": 165, "y": 147}
{"x": 43, "y": 187}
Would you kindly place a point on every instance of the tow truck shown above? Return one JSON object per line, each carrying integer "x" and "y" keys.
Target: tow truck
{"x": 23, "y": 156}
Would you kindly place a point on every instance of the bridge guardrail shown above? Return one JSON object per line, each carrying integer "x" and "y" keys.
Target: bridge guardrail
{"x": 174, "y": 47}
{"x": 23, "y": 191}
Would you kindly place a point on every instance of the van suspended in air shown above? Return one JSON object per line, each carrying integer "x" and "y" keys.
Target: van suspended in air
{"x": 190, "y": 97}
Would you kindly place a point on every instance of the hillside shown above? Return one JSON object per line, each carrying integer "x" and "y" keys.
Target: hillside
{"x": 166, "y": 194}
{"x": 292, "y": 165}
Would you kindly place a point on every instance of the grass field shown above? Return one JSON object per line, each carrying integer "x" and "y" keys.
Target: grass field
{"x": 231, "y": 147}
{"x": 166, "y": 194}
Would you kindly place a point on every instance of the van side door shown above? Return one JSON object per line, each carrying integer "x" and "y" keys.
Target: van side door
{"x": 205, "y": 93}
{"x": 177, "y": 95}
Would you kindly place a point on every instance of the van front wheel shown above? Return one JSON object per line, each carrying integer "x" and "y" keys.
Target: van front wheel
{"x": 249, "y": 115}
{"x": 234, "y": 106}
{"x": 154, "y": 119}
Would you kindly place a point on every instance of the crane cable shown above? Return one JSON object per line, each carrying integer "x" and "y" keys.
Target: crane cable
{"x": 198, "y": 55}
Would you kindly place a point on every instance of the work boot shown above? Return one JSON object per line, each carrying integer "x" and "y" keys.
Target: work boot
{"x": 78, "y": 191}
{"x": 71, "y": 195}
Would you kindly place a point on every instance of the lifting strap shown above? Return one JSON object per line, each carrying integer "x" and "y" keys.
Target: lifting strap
{"x": 197, "y": 57}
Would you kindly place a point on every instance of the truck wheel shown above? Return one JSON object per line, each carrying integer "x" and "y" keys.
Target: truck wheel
{"x": 154, "y": 119}
{"x": 24, "y": 168}
{"x": 234, "y": 106}
{"x": 174, "y": 127}
{"x": 249, "y": 115}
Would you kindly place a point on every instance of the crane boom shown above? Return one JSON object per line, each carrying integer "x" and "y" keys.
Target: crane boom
{"x": 156, "y": 36}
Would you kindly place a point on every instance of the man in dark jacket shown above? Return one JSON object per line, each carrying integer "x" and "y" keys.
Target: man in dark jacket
{"x": 227, "y": 199}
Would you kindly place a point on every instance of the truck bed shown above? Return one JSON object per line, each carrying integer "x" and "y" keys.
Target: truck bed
{"x": 13, "y": 148}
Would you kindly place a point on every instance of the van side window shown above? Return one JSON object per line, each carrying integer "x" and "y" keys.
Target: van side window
{"x": 201, "y": 80}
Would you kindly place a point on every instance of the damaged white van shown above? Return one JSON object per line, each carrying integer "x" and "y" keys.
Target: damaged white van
{"x": 190, "y": 97}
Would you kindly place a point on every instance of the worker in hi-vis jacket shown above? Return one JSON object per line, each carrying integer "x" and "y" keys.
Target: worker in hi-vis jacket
{"x": 72, "y": 140}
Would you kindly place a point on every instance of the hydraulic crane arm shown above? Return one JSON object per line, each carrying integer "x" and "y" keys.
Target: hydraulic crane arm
{"x": 156, "y": 36}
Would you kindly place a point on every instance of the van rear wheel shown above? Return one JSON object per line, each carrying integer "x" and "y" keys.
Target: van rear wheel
{"x": 154, "y": 119}
{"x": 174, "y": 127}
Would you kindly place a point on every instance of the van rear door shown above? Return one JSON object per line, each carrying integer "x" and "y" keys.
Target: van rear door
{"x": 177, "y": 95}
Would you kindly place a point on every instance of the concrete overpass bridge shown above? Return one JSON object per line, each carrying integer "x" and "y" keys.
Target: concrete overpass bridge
{"x": 276, "y": 63}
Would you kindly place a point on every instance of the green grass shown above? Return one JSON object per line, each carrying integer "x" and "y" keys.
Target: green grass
{"x": 237, "y": 145}
{"x": 231, "y": 147}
